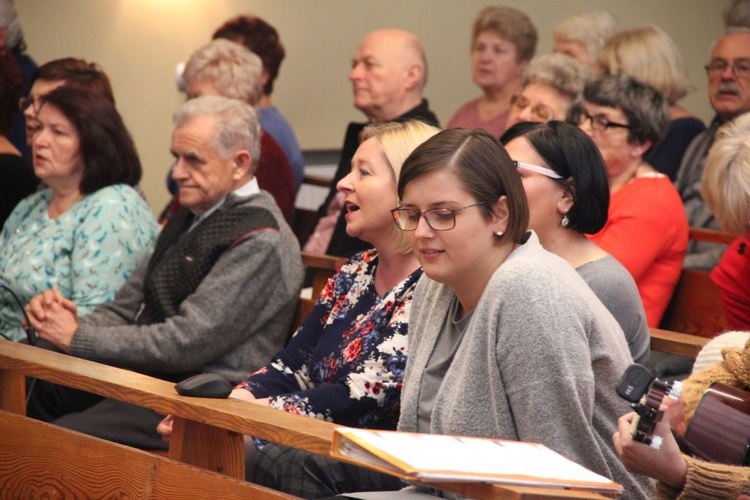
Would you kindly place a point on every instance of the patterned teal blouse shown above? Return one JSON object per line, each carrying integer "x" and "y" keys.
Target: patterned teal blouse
{"x": 88, "y": 252}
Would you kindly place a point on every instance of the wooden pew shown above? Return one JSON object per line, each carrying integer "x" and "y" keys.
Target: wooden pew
{"x": 695, "y": 307}
{"x": 681, "y": 344}
{"x": 206, "y": 453}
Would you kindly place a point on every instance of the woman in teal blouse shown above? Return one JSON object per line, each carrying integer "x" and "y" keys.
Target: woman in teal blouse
{"x": 89, "y": 228}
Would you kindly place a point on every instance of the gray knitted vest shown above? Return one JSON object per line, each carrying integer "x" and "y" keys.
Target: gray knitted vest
{"x": 181, "y": 260}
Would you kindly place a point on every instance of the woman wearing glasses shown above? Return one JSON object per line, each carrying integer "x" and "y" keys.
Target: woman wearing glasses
{"x": 552, "y": 90}
{"x": 506, "y": 340}
{"x": 646, "y": 230}
{"x": 566, "y": 184}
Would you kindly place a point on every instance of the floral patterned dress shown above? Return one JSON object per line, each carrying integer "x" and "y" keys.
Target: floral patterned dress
{"x": 88, "y": 252}
{"x": 346, "y": 362}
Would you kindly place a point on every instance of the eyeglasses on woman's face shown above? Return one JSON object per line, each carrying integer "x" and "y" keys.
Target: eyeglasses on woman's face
{"x": 539, "y": 112}
{"x": 439, "y": 219}
{"x": 601, "y": 123}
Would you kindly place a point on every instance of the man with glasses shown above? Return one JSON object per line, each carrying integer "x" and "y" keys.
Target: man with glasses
{"x": 728, "y": 74}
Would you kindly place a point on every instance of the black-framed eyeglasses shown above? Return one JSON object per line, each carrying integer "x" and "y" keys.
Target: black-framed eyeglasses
{"x": 601, "y": 122}
{"x": 439, "y": 219}
{"x": 540, "y": 111}
{"x": 25, "y": 103}
{"x": 740, "y": 68}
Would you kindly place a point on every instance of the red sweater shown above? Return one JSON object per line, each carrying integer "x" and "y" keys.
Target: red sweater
{"x": 732, "y": 276}
{"x": 647, "y": 231}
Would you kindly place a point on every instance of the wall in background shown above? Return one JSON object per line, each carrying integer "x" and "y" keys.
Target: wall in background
{"x": 139, "y": 43}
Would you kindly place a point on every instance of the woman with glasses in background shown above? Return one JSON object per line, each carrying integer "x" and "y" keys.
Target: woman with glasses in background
{"x": 566, "y": 184}
{"x": 506, "y": 340}
{"x": 552, "y": 90}
{"x": 646, "y": 229}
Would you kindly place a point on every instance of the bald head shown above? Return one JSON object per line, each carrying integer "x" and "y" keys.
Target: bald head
{"x": 389, "y": 72}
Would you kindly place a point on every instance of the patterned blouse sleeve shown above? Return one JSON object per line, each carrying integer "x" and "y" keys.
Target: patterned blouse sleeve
{"x": 116, "y": 232}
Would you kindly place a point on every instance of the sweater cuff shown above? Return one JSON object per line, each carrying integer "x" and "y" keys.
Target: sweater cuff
{"x": 709, "y": 480}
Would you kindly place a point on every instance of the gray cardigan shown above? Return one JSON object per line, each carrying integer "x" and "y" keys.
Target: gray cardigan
{"x": 233, "y": 324}
{"x": 539, "y": 362}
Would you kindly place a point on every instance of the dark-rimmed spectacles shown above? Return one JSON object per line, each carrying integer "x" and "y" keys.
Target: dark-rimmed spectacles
{"x": 740, "y": 68}
{"x": 439, "y": 219}
{"x": 600, "y": 122}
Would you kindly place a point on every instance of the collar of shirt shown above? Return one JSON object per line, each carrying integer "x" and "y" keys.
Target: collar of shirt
{"x": 247, "y": 189}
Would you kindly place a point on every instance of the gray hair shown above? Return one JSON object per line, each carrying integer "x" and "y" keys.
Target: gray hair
{"x": 233, "y": 69}
{"x": 645, "y": 107}
{"x": 563, "y": 73}
{"x": 236, "y": 123}
{"x": 737, "y": 13}
{"x": 9, "y": 20}
{"x": 591, "y": 29}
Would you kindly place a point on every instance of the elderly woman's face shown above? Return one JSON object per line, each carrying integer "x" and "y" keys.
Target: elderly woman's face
{"x": 538, "y": 102}
{"x": 56, "y": 146}
{"x": 608, "y": 128}
{"x": 494, "y": 62}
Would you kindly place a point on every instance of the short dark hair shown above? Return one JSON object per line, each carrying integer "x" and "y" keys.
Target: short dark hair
{"x": 107, "y": 149}
{"x": 76, "y": 73}
{"x": 646, "y": 109}
{"x": 483, "y": 167}
{"x": 570, "y": 152}
{"x": 259, "y": 37}
{"x": 11, "y": 90}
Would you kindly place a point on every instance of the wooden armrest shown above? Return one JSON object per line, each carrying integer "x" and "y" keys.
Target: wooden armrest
{"x": 159, "y": 395}
{"x": 710, "y": 235}
{"x": 681, "y": 344}
{"x": 316, "y": 180}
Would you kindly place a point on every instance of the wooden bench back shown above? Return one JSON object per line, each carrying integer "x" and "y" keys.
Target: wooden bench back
{"x": 695, "y": 307}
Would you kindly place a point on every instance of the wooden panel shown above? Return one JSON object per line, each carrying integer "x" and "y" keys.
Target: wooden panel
{"x": 681, "y": 344}
{"x": 159, "y": 395}
{"x": 39, "y": 460}
{"x": 695, "y": 307}
{"x": 711, "y": 236}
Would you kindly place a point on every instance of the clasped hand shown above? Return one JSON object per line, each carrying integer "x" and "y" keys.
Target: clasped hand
{"x": 54, "y": 317}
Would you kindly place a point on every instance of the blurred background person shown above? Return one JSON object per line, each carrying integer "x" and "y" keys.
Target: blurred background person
{"x": 646, "y": 229}
{"x": 388, "y": 77}
{"x": 650, "y": 55}
{"x": 552, "y": 90}
{"x": 503, "y": 42}
{"x": 11, "y": 39}
{"x": 16, "y": 176}
{"x": 566, "y": 184}
{"x": 263, "y": 40}
{"x": 85, "y": 233}
{"x": 70, "y": 71}
{"x": 583, "y": 34}
{"x": 228, "y": 69}
{"x": 726, "y": 190}
{"x": 737, "y": 14}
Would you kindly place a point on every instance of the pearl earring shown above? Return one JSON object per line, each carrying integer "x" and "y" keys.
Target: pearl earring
{"x": 499, "y": 232}
{"x": 565, "y": 221}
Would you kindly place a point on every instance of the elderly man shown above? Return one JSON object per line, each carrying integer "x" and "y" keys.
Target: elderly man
{"x": 729, "y": 93}
{"x": 228, "y": 69}
{"x": 389, "y": 72}
{"x": 217, "y": 295}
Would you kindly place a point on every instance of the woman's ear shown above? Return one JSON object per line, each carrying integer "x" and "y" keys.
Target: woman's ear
{"x": 500, "y": 214}
{"x": 566, "y": 199}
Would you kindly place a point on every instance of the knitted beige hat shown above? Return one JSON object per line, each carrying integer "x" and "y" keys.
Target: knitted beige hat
{"x": 712, "y": 352}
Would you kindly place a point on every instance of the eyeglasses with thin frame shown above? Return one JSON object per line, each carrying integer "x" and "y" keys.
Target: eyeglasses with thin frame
{"x": 600, "y": 122}
{"x": 536, "y": 168}
{"x": 540, "y": 111}
{"x": 439, "y": 219}
{"x": 740, "y": 68}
